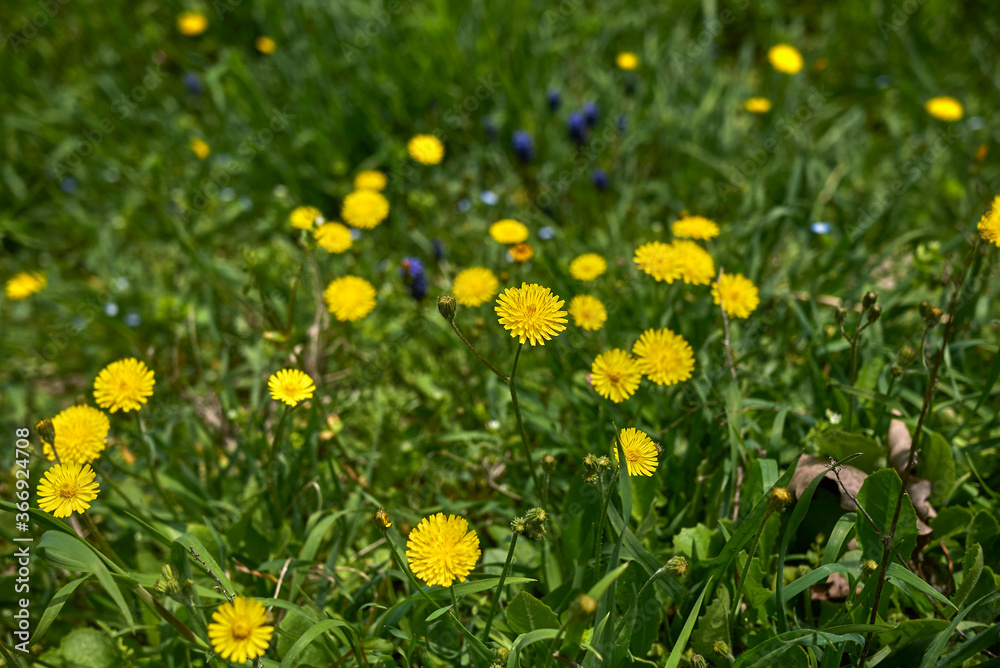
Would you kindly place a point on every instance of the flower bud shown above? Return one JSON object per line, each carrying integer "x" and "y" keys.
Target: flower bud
{"x": 869, "y": 566}
{"x": 869, "y": 300}
{"x": 778, "y": 499}
{"x": 47, "y": 431}
{"x": 381, "y": 519}
{"x": 874, "y": 313}
{"x": 519, "y": 526}
{"x": 677, "y": 566}
{"x": 534, "y": 523}
{"x": 447, "y": 307}
{"x": 698, "y": 661}
{"x": 840, "y": 316}
{"x": 549, "y": 463}
{"x": 933, "y": 316}
{"x": 583, "y": 607}
{"x": 720, "y": 647}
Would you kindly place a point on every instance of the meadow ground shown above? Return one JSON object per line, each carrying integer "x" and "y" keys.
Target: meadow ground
{"x": 326, "y": 325}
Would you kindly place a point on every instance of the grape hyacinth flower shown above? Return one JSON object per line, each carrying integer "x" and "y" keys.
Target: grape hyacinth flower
{"x": 554, "y": 99}
{"x": 600, "y": 179}
{"x": 412, "y": 271}
{"x": 577, "y": 127}
{"x": 591, "y": 113}
{"x": 523, "y": 145}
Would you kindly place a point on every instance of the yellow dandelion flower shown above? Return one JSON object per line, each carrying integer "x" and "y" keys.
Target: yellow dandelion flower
{"x": 364, "y": 209}
{"x": 587, "y": 267}
{"x": 694, "y": 227}
{"x": 291, "y": 386}
{"x": 639, "y": 450}
{"x": 370, "y": 179}
{"x": 664, "y": 356}
{"x": 615, "y": 375}
{"x": 588, "y": 312}
{"x": 737, "y": 294}
{"x": 426, "y": 149}
{"x": 304, "y": 217}
{"x": 191, "y": 23}
{"x": 474, "y": 286}
{"x": 509, "y": 231}
{"x": 785, "y": 58}
{"x": 657, "y": 259}
{"x": 757, "y": 105}
{"x": 349, "y": 298}
{"x": 989, "y": 224}
{"x": 694, "y": 263}
{"x": 123, "y": 385}
{"x": 333, "y": 237}
{"x": 66, "y": 489}
{"x": 521, "y": 253}
{"x": 24, "y": 284}
{"x": 944, "y": 108}
{"x": 265, "y": 45}
{"x": 531, "y": 313}
{"x": 199, "y": 147}
{"x": 239, "y": 631}
{"x": 81, "y": 435}
{"x": 627, "y": 60}
{"x": 442, "y": 549}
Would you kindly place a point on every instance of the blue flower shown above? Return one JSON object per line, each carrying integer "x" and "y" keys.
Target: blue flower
{"x": 591, "y": 113}
{"x": 820, "y": 228}
{"x": 523, "y": 145}
{"x": 577, "y": 126}
{"x": 410, "y": 267}
{"x": 546, "y": 233}
{"x": 438, "y": 249}
{"x": 600, "y": 179}
{"x": 412, "y": 271}
{"x": 622, "y": 123}
{"x": 554, "y": 98}
{"x": 489, "y": 198}
{"x": 192, "y": 82}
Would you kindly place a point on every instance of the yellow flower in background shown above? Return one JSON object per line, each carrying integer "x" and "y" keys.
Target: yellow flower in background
{"x": 588, "y": 312}
{"x": 587, "y": 267}
{"x": 509, "y": 231}
{"x": 627, "y": 60}
{"x": 370, "y": 179}
{"x": 426, "y": 149}
{"x": 989, "y": 224}
{"x": 442, "y": 549}
{"x": 694, "y": 262}
{"x": 615, "y": 375}
{"x": 239, "y": 631}
{"x": 657, "y": 259}
{"x": 303, "y": 217}
{"x": 24, "y": 284}
{"x": 123, "y": 385}
{"x": 81, "y": 435}
{"x": 757, "y": 105}
{"x": 531, "y": 313}
{"x": 639, "y": 450}
{"x": 521, "y": 253}
{"x": 265, "y": 45}
{"x": 364, "y": 209}
{"x": 349, "y": 298}
{"x": 474, "y": 286}
{"x": 785, "y": 58}
{"x": 664, "y": 356}
{"x": 944, "y": 108}
{"x": 291, "y": 386}
{"x": 333, "y": 237}
{"x": 191, "y": 23}
{"x": 737, "y": 295}
{"x": 694, "y": 227}
{"x": 66, "y": 489}
{"x": 199, "y": 147}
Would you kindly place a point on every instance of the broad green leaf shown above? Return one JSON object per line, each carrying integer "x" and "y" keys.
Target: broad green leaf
{"x": 937, "y": 464}
{"x": 972, "y": 569}
{"x": 904, "y": 575}
{"x": 713, "y": 625}
{"x": 698, "y": 542}
{"x": 89, "y": 648}
{"x": 878, "y": 495}
{"x": 314, "y": 632}
{"x": 55, "y": 605}
{"x": 526, "y": 613}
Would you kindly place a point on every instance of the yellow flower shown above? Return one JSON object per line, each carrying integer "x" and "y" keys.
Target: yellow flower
{"x": 291, "y": 386}
{"x": 663, "y": 356}
{"x": 426, "y": 149}
{"x": 23, "y": 285}
{"x": 694, "y": 262}
{"x": 587, "y": 267}
{"x": 303, "y": 217}
{"x": 474, "y": 286}
{"x": 239, "y": 630}
{"x": 657, "y": 259}
{"x": 508, "y": 231}
{"x": 191, "y": 23}
{"x": 588, "y": 312}
{"x": 989, "y": 224}
{"x": 265, "y": 45}
{"x": 627, "y": 60}
{"x": 695, "y": 227}
{"x": 521, "y": 253}
{"x": 349, "y": 298}
{"x": 382, "y": 519}
{"x": 757, "y": 105}
{"x": 442, "y": 549}
{"x": 615, "y": 375}
{"x": 81, "y": 435}
{"x": 640, "y": 452}
{"x": 365, "y": 209}
{"x": 123, "y": 385}
{"x": 737, "y": 294}
{"x": 66, "y": 489}
{"x": 370, "y": 179}
{"x": 785, "y": 58}
{"x": 333, "y": 237}
{"x": 531, "y": 313}
{"x": 944, "y": 108}
{"x": 200, "y": 148}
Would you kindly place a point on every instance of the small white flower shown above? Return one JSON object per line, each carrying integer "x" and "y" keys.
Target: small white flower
{"x": 834, "y": 418}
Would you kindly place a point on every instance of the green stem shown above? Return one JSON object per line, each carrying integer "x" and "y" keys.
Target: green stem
{"x": 605, "y": 499}
{"x": 153, "y": 466}
{"x": 476, "y": 352}
{"x": 520, "y": 421}
{"x": 499, "y": 590}
{"x": 294, "y": 292}
{"x": 635, "y": 608}
{"x": 746, "y": 567}
{"x": 554, "y": 645}
{"x": 102, "y": 543}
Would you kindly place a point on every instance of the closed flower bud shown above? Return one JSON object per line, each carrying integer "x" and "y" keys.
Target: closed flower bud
{"x": 677, "y": 566}
{"x": 778, "y": 499}
{"x": 720, "y": 647}
{"x": 840, "y": 316}
{"x": 549, "y": 463}
{"x": 381, "y": 519}
{"x": 869, "y": 565}
{"x": 583, "y": 607}
{"x": 933, "y": 316}
{"x": 46, "y": 430}
{"x": 534, "y": 523}
{"x": 875, "y": 313}
{"x": 924, "y": 305}
{"x": 869, "y": 300}
{"x": 906, "y": 356}
{"x": 698, "y": 661}
{"x": 447, "y": 307}
{"x": 519, "y": 526}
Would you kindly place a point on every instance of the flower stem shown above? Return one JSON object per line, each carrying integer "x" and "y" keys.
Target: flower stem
{"x": 476, "y": 353}
{"x": 499, "y": 590}
{"x": 294, "y": 292}
{"x": 102, "y": 543}
{"x": 520, "y": 421}
{"x": 746, "y": 567}
{"x": 635, "y": 608}
{"x": 605, "y": 499}
{"x": 153, "y": 465}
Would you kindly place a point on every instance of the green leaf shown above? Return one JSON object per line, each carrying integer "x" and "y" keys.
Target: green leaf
{"x": 314, "y": 632}
{"x": 937, "y": 464}
{"x": 597, "y": 591}
{"x": 437, "y": 613}
{"x": 878, "y": 495}
{"x": 526, "y": 613}
{"x": 838, "y": 444}
{"x": 841, "y": 533}
{"x": 187, "y": 540}
{"x": 698, "y": 542}
{"x": 835, "y": 635}
{"x": 972, "y": 568}
{"x": 904, "y": 575}
{"x": 809, "y": 579}
{"x": 89, "y": 648}
{"x": 678, "y": 650}
{"x": 54, "y": 606}
{"x": 941, "y": 640}
{"x": 713, "y": 625}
